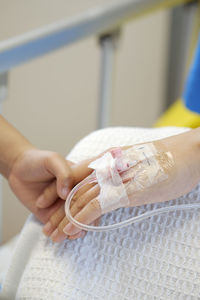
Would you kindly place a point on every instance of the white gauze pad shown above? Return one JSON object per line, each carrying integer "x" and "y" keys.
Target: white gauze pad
{"x": 121, "y": 172}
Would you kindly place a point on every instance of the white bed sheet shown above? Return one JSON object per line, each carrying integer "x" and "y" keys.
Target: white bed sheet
{"x": 6, "y": 252}
{"x": 158, "y": 258}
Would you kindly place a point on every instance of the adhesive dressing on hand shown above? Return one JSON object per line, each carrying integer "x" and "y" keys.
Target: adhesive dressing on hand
{"x": 119, "y": 173}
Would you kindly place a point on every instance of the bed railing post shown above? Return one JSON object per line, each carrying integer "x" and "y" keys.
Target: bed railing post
{"x": 108, "y": 43}
{"x": 3, "y": 95}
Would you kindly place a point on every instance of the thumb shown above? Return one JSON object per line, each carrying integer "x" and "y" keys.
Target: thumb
{"x": 61, "y": 169}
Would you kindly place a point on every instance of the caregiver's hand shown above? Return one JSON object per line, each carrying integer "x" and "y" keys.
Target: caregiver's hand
{"x": 40, "y": 180}
{"x": 182, "y": 174}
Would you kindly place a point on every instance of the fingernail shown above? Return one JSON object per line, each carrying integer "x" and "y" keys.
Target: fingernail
{"x": 47, "y": 228}
{"x": 56, "y": 236}
{"x": 67, "y": 228}
{"x": 40, "y": 202}
{"x": 65, "y": 191}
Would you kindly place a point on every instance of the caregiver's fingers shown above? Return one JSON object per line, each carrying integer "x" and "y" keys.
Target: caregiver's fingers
{"x": 87, "y": 215}
{"x": 49, "y": 196}
{"x": 62, "y": 170}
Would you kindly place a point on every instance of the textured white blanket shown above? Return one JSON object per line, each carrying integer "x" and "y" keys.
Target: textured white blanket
{"x": 158, "y": 258}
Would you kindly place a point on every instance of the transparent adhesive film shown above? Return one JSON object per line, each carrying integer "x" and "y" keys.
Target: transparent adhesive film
{"x": 152, "y": 167}
{"x": 118, "y": 174}
{"x": 122, "y": 172}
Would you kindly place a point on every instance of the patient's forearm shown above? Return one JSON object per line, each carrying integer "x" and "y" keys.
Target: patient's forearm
{"x": 12, "y": 145}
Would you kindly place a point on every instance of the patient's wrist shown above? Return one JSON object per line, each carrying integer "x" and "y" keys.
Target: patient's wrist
{"x": 196, "y": 149}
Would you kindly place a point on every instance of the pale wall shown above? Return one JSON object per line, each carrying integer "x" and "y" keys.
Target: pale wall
{"x": 53, "y": 100}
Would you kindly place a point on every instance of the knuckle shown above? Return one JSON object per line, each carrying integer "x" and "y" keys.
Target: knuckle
{"x": 95, "y": 204}
{"x": 80, "y": 206}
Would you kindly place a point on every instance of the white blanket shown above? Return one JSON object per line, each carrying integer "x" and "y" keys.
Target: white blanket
{"x": 158, "y": 258}
{"x": 6, "y": 252}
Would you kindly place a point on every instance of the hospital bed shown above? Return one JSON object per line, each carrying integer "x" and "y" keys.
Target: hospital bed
{"x": 104, "y": 22}
{"x": 158, "y": 258}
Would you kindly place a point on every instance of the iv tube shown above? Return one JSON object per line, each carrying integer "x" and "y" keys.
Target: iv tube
{"x": 92, "y": 179}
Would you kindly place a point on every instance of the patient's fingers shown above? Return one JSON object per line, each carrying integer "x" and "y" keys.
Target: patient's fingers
{"x": 57, "y": 222}
{"x": 80, "y": 203}
{"x": 58, "y": 235}
{"x": 81, "y": 191}
{"x": 50, "y": 229}
{"x": 85, "y": 195}
{"x": 91, "y": 192}
{"x": 48, "y": 197}
{"x": 82, "y": 233}
{"x": 87, "y": 215}
{"x": 54, "y": 220}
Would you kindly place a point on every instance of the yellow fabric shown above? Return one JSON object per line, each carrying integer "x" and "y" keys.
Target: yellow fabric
{"x": 179, "y": 115}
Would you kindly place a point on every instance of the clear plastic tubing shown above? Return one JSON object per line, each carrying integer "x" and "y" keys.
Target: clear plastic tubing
{"x": 92, "y": 179}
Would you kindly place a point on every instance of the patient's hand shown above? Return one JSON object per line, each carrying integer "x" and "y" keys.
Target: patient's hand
{"x": 58, "y": 221}
{"x": 182, "y": 175}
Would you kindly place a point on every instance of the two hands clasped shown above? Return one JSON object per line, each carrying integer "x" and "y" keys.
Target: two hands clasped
{"x": 42, "y": 180}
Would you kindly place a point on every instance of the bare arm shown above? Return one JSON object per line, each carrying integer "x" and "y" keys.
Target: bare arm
{"x": 12, "y": 145}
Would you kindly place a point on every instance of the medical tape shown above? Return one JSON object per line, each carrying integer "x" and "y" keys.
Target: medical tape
{"x": 122, "y": 172}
